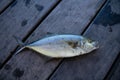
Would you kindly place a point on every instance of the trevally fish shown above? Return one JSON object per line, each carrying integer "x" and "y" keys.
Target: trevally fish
{"x": 59, "y": 46}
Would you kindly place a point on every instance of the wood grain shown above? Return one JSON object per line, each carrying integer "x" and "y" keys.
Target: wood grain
{"x": 114, "y": 72}
{"x": 4, "y": 4}
{"x": 19, "y": 20}
{"x": 94, "y": 66}
{"x": 70, "y": 16}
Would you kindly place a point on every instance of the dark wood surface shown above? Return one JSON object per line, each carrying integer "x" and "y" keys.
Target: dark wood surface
{"x": 31, "y": 20}
{"x": 94, "y": 66}
{"x": 19, "y": 20}
{"x": 114, "y": 72}
{"x": 4, "y": 4}
{"x": 63, "y": 19}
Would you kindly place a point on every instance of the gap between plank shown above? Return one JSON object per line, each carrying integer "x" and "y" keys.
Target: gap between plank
{"x": 40, "y": 21}
{"x": 92, "y": 20}
{"x": 29, "y": 33}
{"x": 112, "y": 68}
{"x": 102, "y": 6}
{"x": 55, "y": 69}
{"x": 5, "y": 8}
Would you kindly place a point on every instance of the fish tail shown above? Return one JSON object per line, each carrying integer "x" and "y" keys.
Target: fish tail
{"x": 17, "y": 52}
{"x": 19, "y": 41}
{"x": 21, "y": 44}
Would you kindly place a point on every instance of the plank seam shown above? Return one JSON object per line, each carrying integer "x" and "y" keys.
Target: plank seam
{"x": 86, "y": 28}
{"x": 40, "y": 21}
{"x": 6, "y": 7}
{"x": 112, "y": 68}
{"x": 92, "y": 20}
{"x": 8, "y": 58}
{"x": 55, "y": 69}
{"x": 30, "y": 32}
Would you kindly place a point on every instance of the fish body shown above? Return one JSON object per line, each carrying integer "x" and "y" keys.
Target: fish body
{"x": 59, "y": 46}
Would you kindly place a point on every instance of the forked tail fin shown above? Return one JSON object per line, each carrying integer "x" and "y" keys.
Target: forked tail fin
{"x": 21, "y": 44}
{"x": 17, "y": 52}
{"x": 18, "y": 41}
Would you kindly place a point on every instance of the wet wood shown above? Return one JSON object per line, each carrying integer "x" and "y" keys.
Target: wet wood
{"x": 19, "y": 20}
{"x": 70, "y": 16}
{"x": 4, "y": 4}
{"x": 95, "y": 65}
{"x": 114, "y": 72}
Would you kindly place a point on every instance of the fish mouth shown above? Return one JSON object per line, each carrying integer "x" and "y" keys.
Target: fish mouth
{"x": 96, "y": 44}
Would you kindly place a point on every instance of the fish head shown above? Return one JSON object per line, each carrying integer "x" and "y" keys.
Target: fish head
{"x": 89, "y": 45}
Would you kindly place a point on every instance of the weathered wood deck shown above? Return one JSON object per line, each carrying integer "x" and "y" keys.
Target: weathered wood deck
{"x": 32, "y": 19}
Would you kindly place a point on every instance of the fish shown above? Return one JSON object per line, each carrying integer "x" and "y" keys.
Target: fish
{"x": 61, "y": 46}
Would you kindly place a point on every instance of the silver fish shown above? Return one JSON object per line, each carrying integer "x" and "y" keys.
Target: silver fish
{"x": 60, "y": 46}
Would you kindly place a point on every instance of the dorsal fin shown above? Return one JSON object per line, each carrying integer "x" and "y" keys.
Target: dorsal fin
{"x": 48, "y": 34}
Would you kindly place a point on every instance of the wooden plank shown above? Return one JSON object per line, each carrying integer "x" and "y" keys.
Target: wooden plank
{"x": 94, "y": 66}
{"x": 19, "y": 20}
{"x": 4, "y": 4}
{"x": 29, "y": 65}
{"x": 114, "y": 72}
